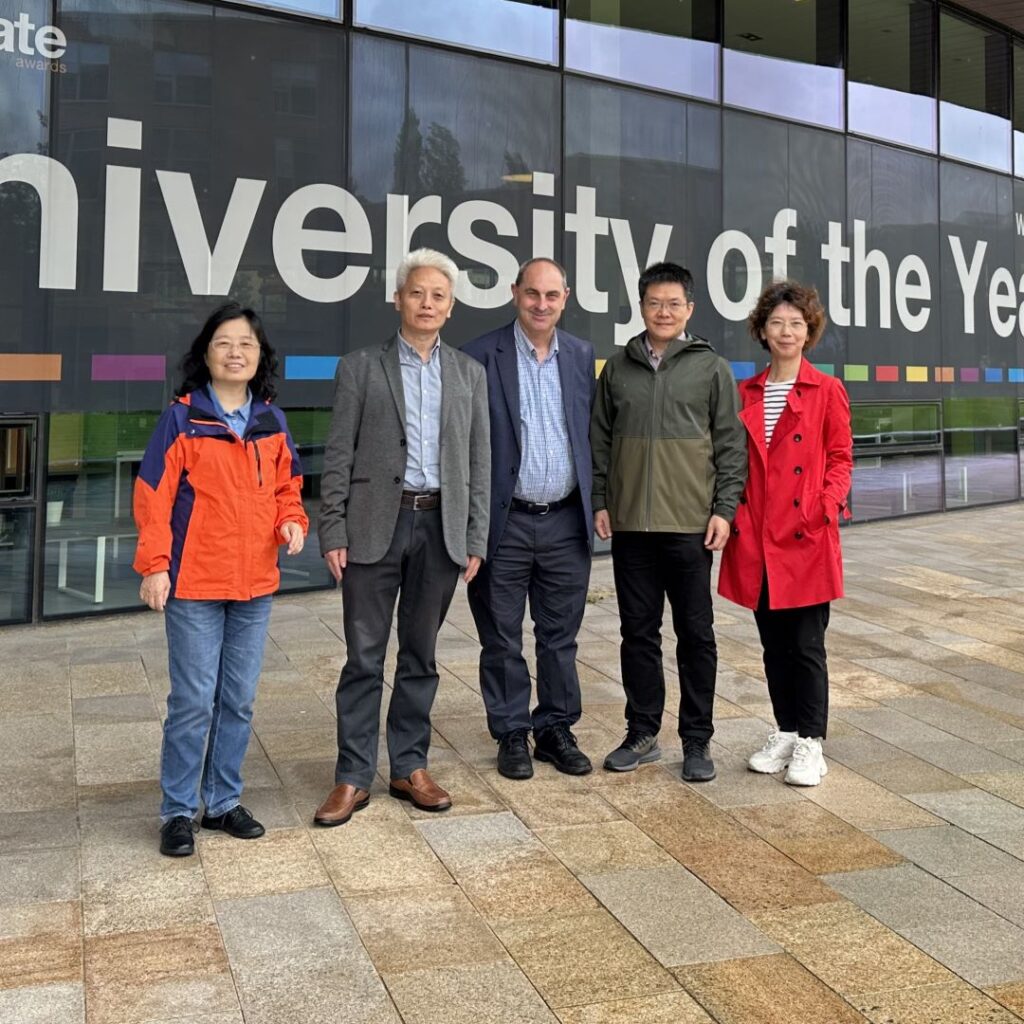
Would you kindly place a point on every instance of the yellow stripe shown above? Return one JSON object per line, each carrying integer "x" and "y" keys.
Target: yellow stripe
{"x": 917, "y": 374}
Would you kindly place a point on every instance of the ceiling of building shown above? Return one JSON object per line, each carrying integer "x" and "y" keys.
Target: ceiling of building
{"x": 1007, "y": 12}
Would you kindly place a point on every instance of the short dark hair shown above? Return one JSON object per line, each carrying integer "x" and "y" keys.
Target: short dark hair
{"x": 195, "y": 372}
{"x": 542, "y": 259}
{"x": 801, "y": 296}
{"x": 666, "y": 273}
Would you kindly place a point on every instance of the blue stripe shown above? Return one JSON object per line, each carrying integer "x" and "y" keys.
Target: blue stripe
{"x": 741, "y": 371}
{"x": 181, "y": 516}
{"x": 1015, "y": 375}
{"x": 310, "y": 367}
{"x": 993, "y": 375}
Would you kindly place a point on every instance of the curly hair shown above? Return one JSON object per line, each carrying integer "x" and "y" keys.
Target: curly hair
{"x": 803, "y": 297}
{"x": 195, "y": 372}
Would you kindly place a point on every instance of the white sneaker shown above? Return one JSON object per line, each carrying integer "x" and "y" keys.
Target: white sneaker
{"x": 807, "y": 766}
{"x": 775, "y": 754}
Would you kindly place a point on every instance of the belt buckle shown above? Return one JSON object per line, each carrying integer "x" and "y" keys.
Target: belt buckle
{"x": 547, "y": 507}
{"x": 416, "y": 506}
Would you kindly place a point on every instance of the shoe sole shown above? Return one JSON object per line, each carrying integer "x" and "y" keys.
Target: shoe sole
{"x": 782, "y": 766}
{"x": 793, "y": 782}
{"x": 518, "y": 776}
{"x": 234, "y": 835}
{"x": 179, "y": 851}
{"x": 400, "y": 794}
{"x": 699, "y": 778}
{"x": 334, "y": 822}
{"x": 648, "y": 758}
{"x": 540, "y": 755}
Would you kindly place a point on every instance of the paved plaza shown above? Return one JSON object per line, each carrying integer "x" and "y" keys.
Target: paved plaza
{"x": 893, "y": 893}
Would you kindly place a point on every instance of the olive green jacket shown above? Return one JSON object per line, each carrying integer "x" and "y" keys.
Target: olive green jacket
{"x": 668, "y": 446}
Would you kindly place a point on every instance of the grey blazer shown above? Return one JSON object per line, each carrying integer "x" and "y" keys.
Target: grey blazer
{"x": 364, "y": 458}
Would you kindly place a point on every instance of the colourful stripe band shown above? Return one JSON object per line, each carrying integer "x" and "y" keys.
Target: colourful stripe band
{"x": 129, "y": 367}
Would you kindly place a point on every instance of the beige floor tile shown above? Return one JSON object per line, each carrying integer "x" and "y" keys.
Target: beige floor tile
{"x": 538, "y": 803}
{"x": 122, "y": 752}
{"x": 849, "y": 951}
{"x": 764, "y": 990}
{"x": 953, "y": 1003}
{"x": 583, "y": 958}
{"x": 1010, "y": 996}
{"x": 280, "y": 861}
{"x": 365, "y": 856}
{"x": 475, "y": 994}
{"x": 39, "y": 876}
{"x": 469, "y": 793}
{"x": 911, "y": 775}
{"x": 865, "y": 804}
{"x": 816, "y": 839}
{"x": 601, "y": 847}
{"x": 1008, "y": 785}
{"x": 108, "y": 678}
{"x": 421, "y": 928}
{"x": 40, "y": 944}
{"x": 143, "y": 976}
{"x": 667, "y": 1008}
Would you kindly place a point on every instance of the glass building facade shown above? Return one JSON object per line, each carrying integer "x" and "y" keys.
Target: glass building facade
{"x": 159, "y": 155}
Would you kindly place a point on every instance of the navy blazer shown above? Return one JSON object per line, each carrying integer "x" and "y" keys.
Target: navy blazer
{"x": 497, "y": 352}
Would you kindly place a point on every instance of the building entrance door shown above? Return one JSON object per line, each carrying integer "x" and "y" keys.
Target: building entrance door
{"x": 19, "y": 515}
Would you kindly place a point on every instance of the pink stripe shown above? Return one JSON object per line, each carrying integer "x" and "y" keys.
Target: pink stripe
{"x": 109, "y": 367}
{"x": 969, "y": 374}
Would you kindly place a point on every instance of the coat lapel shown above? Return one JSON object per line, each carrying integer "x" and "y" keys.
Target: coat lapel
{"x": 449, "y": 382}
{"x": 393, "y": 374}
{"x": 508, "y": 372}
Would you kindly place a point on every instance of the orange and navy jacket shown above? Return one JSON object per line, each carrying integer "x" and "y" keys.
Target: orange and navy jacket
{"x": 208, "y": 505}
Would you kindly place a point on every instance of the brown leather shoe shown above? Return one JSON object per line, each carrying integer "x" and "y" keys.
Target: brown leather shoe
{"x": 421, "y": 791}
{"x": 341, "y": 803}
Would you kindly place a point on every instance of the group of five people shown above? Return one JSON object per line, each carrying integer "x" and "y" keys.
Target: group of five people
{"x": 498, "y": 462}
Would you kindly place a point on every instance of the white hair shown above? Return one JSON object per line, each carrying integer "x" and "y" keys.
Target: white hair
{"x": 426, "y": 258}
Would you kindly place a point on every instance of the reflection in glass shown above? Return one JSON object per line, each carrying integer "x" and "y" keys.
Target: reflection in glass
{"x": 17, "y": 528}
{"x": 974, "y": 76}
{"x": 646, "y": 42}
{"x": 324, "y": 8}
{"x": 809, "y": 32}
{"x": 514, "y": 28}
{"x": 982, "y": 461}
{"x": 1018, "y": 108}
{"x": 890, "y": 71}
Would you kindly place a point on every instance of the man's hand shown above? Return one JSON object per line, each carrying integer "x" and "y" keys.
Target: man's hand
{"x": 717, "y": 533}
{"x": 337, "y": 562}
{"x": 472, "y": 568}
{"x": 603, "y": 524}
{"x": 155, "y": 590}
{"x": 293, "y": 537}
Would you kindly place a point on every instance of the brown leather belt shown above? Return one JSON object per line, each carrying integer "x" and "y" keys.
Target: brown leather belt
{"x": 421, "y": 501}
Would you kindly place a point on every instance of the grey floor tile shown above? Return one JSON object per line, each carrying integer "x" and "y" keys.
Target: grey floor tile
{"x": 43, "y": 1004}
{"x": 984, "y": 953}
{"x": 947, "y": 851}
{"x": 1002, "y": 893}
{"x": 676, "y": 916}
{"x": 39, "y": 876}
{"x": 972, "y": 810}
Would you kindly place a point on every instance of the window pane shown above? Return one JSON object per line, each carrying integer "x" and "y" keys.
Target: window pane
{"x": 974, "y": 87}
{"x": 890, "y": 74}
{"x": 1018, "y": 108}
{"x": 784, "y": 59}
{"x": 981, "y": 451}
{"x": 646, "y": 42}
{"x": 515, "y": 28}
{"x": 325, "y": 8}
{"x": 17, "y": 528}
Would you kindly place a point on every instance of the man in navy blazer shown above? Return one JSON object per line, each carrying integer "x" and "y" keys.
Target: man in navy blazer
{"x": 540, "y": 384}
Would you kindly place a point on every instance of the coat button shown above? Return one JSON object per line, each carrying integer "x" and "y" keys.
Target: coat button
{"x": 735, "y": 531}
{"x": 798, "y": 470}
{"x": 799, "y": 535}
{"x": 743, "y": 501}
{"x": 796, "y": 503}
{"x": 398, "y": 479}
{"x": 402, "y": 442}
{"x": 797, "y": 437}
{"x": 514, "y": 470}
{"x": 504, "y": 503}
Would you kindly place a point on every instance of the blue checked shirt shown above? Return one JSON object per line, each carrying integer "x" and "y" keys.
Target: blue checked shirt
{"x": 547, "y": 471}
{"x": 236, "y": 420}
{"x": 421, "y": 382}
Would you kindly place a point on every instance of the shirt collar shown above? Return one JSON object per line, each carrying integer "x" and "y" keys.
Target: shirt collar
{"x": 527, "y": 347}
{"x": 407, "y": 354}
{"x": 242, "y": 410}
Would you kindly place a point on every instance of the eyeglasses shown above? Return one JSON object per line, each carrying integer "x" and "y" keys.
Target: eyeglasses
{"x": 246, "y": 345}
{"x": 673, "y": 306}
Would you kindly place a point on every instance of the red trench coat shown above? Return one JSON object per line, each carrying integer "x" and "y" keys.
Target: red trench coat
{"x": 787, "y": 521}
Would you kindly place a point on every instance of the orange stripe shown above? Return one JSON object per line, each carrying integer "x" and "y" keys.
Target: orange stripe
{"x": 29, "y": 367}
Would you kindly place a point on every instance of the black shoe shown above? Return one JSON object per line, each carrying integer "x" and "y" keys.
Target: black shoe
{"x": 176, "y": 838}
{"x": 237, "y": 822}
{"x": 697, "y": 763}
{"x": 514, "y": 761}
{"x": 636, "y": 749}
{"x": 557, "y": 745}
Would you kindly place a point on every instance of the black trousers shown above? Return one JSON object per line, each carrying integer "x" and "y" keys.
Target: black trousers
{"x": 649, "y": 567}
{"x": 544, "y": 559}
{"x": 795, "y": 665}
{"x": 419, "y": 574}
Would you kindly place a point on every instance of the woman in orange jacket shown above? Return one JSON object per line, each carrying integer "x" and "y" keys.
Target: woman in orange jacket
{"x": 219, "y": 490}
{"x": 783, "y": 558}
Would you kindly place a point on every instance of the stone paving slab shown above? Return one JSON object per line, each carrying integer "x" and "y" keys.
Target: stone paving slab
{"x": 889, "y": 894}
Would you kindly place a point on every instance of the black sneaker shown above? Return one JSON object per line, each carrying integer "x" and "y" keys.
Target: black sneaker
{"x": 697, "y": 763}
{"x": 176, "y": 838}
{"x": 557, "y": 745}
{"x": 237, "y": 822}
{"x": 636, "y": 749}
{"x": 514, "y": 761}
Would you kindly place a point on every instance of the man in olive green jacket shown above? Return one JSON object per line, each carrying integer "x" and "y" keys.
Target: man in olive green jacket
{"x": 670, "y": 462}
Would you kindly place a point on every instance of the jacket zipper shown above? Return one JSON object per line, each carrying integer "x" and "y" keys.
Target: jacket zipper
{"x": 259, "y": 463}
{"x": 650, "y": 448}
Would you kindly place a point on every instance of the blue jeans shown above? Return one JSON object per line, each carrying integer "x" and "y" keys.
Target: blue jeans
{"x": 214, "y": 653}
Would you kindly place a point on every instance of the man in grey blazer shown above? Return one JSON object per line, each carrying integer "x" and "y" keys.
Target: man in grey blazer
{"x": 404, "y": 506}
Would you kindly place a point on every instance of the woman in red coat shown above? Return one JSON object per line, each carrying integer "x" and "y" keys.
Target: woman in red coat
{"x": 783, "y": 558}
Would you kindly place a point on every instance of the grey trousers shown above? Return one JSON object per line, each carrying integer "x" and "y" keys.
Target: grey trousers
{"x": 417, "y": 572}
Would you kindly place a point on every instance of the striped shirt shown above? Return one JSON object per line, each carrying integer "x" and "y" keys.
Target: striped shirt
{"x": 775, "y": 395}
{"x": 547, "y": 471}
{"x": 421, "y": 383}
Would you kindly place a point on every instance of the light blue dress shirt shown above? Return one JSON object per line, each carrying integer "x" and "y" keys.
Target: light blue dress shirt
{"x": 546, "y": 471}
{"x": 236, "y": 420}
{"x": 421, "y": 382}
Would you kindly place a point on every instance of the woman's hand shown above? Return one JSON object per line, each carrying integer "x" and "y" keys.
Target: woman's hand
{"x": 155, "y": 590}
{"x": 293, "y": 537}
